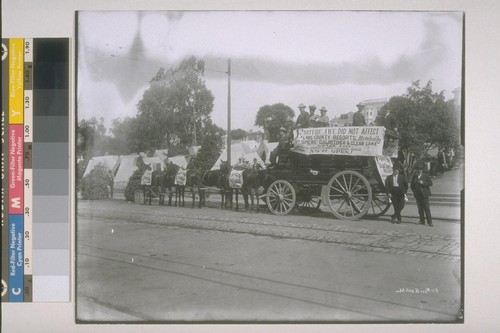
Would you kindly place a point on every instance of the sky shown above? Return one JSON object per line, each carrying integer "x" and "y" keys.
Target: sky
{"x": 334, "y": 59}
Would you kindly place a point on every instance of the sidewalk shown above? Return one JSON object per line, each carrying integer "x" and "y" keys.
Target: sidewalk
{"x": 451, "y": 181}
{"x": 447, "y": 213}
{"x": 448, "y": 184}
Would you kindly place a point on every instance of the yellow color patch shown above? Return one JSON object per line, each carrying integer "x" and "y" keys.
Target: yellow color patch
{"x": 16, "y": 81}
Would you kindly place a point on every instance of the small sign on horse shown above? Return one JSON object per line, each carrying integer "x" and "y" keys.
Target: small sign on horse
{"x": 180, "y": 178}
{"x": 147, "y": 177}
{"x": 236, "y": 179}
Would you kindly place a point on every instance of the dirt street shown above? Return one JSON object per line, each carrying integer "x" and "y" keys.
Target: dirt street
{"x": 156, "y": 263}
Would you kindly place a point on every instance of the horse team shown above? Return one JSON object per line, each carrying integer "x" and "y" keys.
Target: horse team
{"x": 168, "y": 184}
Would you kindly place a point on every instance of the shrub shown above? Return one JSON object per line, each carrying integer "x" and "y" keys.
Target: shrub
{"x": 95, "y": 185}
{"x": 410, "y": 162}
{"x": 134, "y": 183}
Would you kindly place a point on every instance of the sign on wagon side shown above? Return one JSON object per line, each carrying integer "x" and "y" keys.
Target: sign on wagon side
{"x": 354, "y": 141}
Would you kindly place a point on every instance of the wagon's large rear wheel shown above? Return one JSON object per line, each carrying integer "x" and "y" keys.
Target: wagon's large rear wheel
{"x": 280, "y": 197}
{"x": 349, "y": 195}
{"x": 379, "y": 205}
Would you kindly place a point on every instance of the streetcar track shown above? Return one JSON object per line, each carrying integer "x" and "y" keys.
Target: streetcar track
{"x": 324, "y": 239}
{"x": 297, "y": 226}
{"x": 276, "y": 294}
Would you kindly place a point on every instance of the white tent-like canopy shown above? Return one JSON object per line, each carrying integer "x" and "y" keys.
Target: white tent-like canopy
{"x": 238, "y": 150}
{"x": 162, "y": 154}
{"x": 179, "y": 160}
{"x": 154, "y": 162}
{"x": 111, "y": 162}
{"x": 128, "y": 164}
{"x": 266, "y": 148}
{"x": 251, "y": 144}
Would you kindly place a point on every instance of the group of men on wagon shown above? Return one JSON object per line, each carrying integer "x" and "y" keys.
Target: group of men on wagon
{"x": 307, "y": 120}
{"x": 311, "y": 119}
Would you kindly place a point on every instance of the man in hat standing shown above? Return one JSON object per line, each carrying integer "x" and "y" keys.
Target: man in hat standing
{"x": 303, "y": 118}
{"x": 396, "y": 187}
{"x": 358, "y": 119}
{"x": 441, "y": 158}
{"x": 390, "y": 122}
{"x": 323, "y": 120}
{"x": 420, "y": 185}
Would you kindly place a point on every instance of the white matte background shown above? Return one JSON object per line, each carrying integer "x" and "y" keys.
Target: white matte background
{"x": 56, "y": 18}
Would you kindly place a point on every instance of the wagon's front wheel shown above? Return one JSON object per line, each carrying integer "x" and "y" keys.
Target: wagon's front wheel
{"x": 348, "y": 195}
{"x": 309, "y": 204}
{"x": 280, "y": 197}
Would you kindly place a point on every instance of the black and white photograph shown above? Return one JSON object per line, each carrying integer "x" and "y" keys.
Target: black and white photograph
{"x": 269, "y": 166}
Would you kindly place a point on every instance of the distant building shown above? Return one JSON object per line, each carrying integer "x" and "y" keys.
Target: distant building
{"x": 342, "y": 120}
{"x": 255, "y": 136}
{"x": 251, "y": 136}
{"x": 372, "y": 107}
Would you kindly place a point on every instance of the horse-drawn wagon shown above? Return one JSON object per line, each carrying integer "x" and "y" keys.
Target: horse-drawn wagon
{"x": 343, "y": 168}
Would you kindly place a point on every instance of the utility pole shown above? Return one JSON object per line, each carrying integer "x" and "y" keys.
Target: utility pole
{"x": 192, "y": 100}
{"x": 194, "y": 118}
{"x": 229, "y": 111}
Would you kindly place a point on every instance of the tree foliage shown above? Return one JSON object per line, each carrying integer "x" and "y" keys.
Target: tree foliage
{"x": 134, "y": 182}
{"x": 95, "y": 185}
{"x": 210, "y": 150}
{"x": 90, "y": 137}
{"x": 125, "y": 139}
{"x": 426, "y": 120}
{"x": 272, "y": 117}
{"x": 238, "y": 134}
{"x": 176, "y": 99}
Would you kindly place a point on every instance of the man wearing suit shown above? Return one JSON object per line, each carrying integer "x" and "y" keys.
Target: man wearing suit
{"x": 358, "y": 118}
{"x": 396, "y": 186}
{"x": 420, "y": 185}
{"x": 303, "y": 118}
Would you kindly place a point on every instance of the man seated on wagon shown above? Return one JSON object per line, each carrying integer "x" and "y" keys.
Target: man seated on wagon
{"x": 283, "y": 146}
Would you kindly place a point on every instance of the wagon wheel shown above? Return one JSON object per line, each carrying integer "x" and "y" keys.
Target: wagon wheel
{"x": 379, "y": 205}
{"x": 348, "y": 195}
{"x": 311, "y": 203}
{"x": 280, "y": 197}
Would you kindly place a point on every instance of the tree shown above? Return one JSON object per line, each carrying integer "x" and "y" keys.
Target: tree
{"x": 124, "y": 139}
{"x": 238, "y": 134}
{"x": 90, "y": 134}
{"x": 210, "y": 150}
{"x": 272, "y": 117}
{"x": 95, "y": 185}
{"x": 176, "y": 103}
{"x": 91, "y": 141}
{"x": 134, "y": 182}
{"x": 426, "y": 120}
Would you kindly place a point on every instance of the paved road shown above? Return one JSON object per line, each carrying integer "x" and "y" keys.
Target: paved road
{"x": 137, "y": 263}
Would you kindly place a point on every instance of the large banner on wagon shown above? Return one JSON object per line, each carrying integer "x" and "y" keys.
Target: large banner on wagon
{"x": 355, "y": 141}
